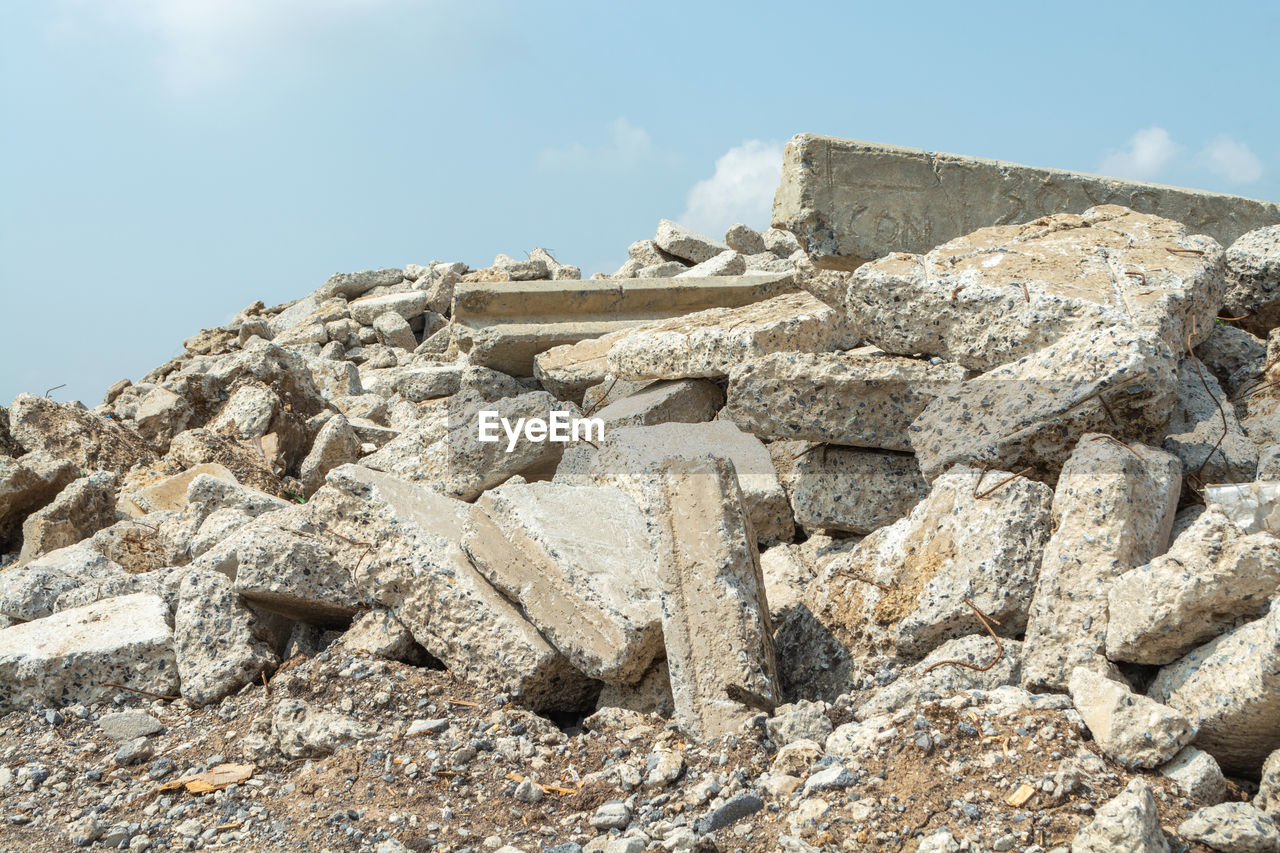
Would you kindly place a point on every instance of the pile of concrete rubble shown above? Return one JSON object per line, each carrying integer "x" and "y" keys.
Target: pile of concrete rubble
{"x": 847, "y": 480}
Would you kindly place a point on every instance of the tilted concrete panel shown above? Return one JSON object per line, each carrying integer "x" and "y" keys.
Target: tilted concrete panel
{"x": 850, "y": 201}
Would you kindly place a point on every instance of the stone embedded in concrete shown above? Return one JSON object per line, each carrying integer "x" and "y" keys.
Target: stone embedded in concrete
{"x": 702, "y": 345}
{"x": 1198, "y": 775}
{"x": 1130, "y": 728}
{"x": 1113, "y": 509}
{"x": 1212, "y": 576}
{"x": 504, "y": 325}
{"x": 715, "y": 619}
{"x": 336, "y": 444}
{"x": 1001, "y": 293}
{"x": 911, "y": 578}
{"x": 1204, "y": 432}
{"x": 924, "y": 680}
{"x": 586, "y": 580}
{"x": 860, "y": 398}
{"x": 628, "y": 451}
{"x": 1230, "y": 689}
{"x": 415, "y": 566}
{"x": 457, "y": 463}
{"x": 31, "y": 591}
{"x": 1029, "y": 413}
{"x": 1232, "y": 827}
{"x": 80, "y": 510}
{"x": 219, "y": 642}
{"x": 1253, "y": 278}
{"x": 685, "y": 243}
{"x": 1128, "y": 823}
{"x": 851, "y": 490}
{"x": 70, "y": 657}
{"x": 850, "y": 201}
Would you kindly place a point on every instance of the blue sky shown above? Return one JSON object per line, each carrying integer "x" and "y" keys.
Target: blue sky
{"x": 163, "y": 163}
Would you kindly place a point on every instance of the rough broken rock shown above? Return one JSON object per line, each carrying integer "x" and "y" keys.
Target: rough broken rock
{"x": 587, "y": 581}
{"x": 1204, "y": 431}
{"x": 1210, "y": 578}
{"x": 80, "y": 510}
{"x": 1131, "y": 729}
{"x": 1113, "y": 509}
{"x": 856, "y": 491}
{"x": 76, "y": 655}
{"x": 27, "y": 484}
{"x": 1126, "y": 824}
{"x": 1253, "y": 284}
{"x": 219, "y": 642}
{"x": 859, "y": 398}
{"x": 1029, "y": 413}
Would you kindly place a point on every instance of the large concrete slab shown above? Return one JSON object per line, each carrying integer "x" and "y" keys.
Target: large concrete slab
{"x": 504, "y": 324}
{"x": 851, "y": 201}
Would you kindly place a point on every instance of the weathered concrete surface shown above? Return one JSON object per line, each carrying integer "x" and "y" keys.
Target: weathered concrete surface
{"x": 1197, "y": 773}
{"x": 68, "y": 657}
{"x": 702, "y": 345}
{"x": 169, "y": 493}
{"x": 28, "y": 483}
{"x": 87, "y": 440}
{"x": 627, "y": 451}
{"x": 1230, "y": 689}
{"x": 858, "y": 398}
{"x": 1204, "y": 431}
{"x": 1129, "y": 823}
{"x": 412, "y": 562}
{"x": 31, "y": 591}
{"x": 715, "y": 619}
{"x": 1211, "y": 577}
{"x": 922, "y": 678}
{"x": 1232, "y": 827}
{"x": 503, "y": 325}
{"x": 80, "y": 510}
{"x": 1253, "y": 286}
{"x": 1113, "y": 509}
{"x": 1030, "y": 413}
{"x": 219, "y": 642}
{"x": 1001, "y": 293}
{"x": 1131, "y": 729}
{"x": 849, "y": 201}
{"x": 586, "y": 580}
{"x": 856, "y": 491}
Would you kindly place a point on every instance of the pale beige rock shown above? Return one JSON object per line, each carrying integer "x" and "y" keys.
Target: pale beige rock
{"x": 1234, "y": 356}
{"x": 505, "y": 325}
{"x": 727, "y": 262}
{"x": 626, "y": 451}
{"x": 406, "y": 305}
{"x": 393, "y": 331}
{"x": 1253, "y": 287}
{"x": 80, "y": 510}
{"x": 1129, "y": 823}
{"x": 1113, "y": 508}
{"x": 31, "y": 591}
{"x": 415, "y": 566}
{"x": 248, "y": 413}
{"x": 1230, "y": 689}
{"x": 923, "y": 680}
{"x": 336, "y": 444}
{"x": 1002, "y": 293}
{"x": 863, "y": 398}
{"x": 1211, "y": 577}
{"x": 1268, "y": 799}
{"x": 1029, "y": 413}
{"x": 66, "y": 432}
{"x": 70, "y": 657}
{"x": 1198, "y": 775}
{"x": 28, "y": 483}
{"x": 786, "y": 576}
{"x": 852, "y": 490}
{"x": 684, "y": 243}
{"x": 651, "y": 695}
{"x": 170, "y": 493}
{"x": 705, "y": 344}
{"x": 1130, "y": 728}
{"x": 161, "y": 415}
{"x": 715, "y": 619}
{"x": 850, "y": 201}
{"x": 586, "y": 580}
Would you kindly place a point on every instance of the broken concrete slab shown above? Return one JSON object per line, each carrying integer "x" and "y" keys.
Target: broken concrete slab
{"x": 727, "y": 262}
{"x": 1113, "y": 508}
{"x": 66, "y": 432}
{"x": 851, "y": 490}
{"x": 219, "y": 643}
{"x": 1253, "y": 278}
{"x": 1204, "y": 432}
{"x": 1230, "y": 689}
{"x": 849, "y": 201}
{"x": 912, "y": 578}
{"x": 709, "y": 575}
{"x": 504, "y": 325}
{"x": 1001, "y": 293}
{"x": 406, "y": 305}
{"x": 1128, "y": 823}
{"x": 863, "y": 398}
{"x": 1198, "y": 774}
{"x": 626, "y": 452}
{"x": 470, "y": 451}
{"x": 169, "y": 493}
{"x": 71, "y": 656}
{"x": 80, "y": 510}
{"x": 984, "y": 667}
{"x": 786, "y": 575}
{"x": 1030, "y": 413}
{"x": 1131, "y": 729}
{"x": 706, "y": 344}
{"x": 586, "y": 581}
{"x": 1232, "y": 827}
{"x": 415, "y": 566}
{"x": 336, "y": 444}
{"x": 685, "y": 243}
{"x": 31, "y": 591}
{"x": 351, "y": 285}
{"x": 27, "y": 484}
{"x": 1212, "y": 576}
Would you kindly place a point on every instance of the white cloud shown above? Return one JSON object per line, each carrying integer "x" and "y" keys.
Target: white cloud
{"x": 1150, "y": 153}
{"x": 1232, "y": 161}
{"x": 199, "y": 43}
{"x": 741, "y": 190}
{"x": 629, "y": 145}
